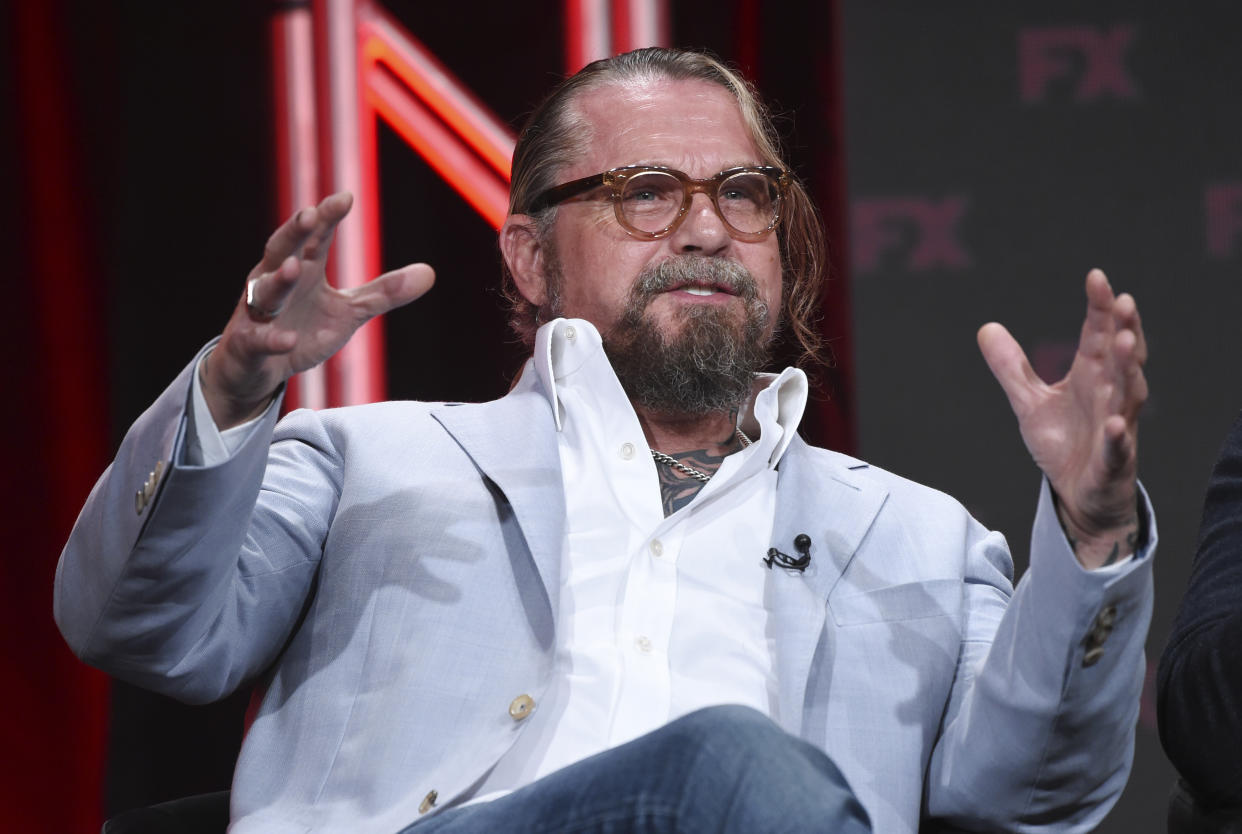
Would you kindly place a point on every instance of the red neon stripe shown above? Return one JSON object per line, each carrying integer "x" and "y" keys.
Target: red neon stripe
{"x": 451, "y": 158}
{"x": 383, "y": 40}
{"x": 356, "y": 373}
{"x": 639, "y": 23}
{"x": 296, "y": 152}
{"x": 282, "y": 106}
{"x": 623, "y": 33}
{"x": 293, "y": 102}
{"x": 365, "y": 357}
{"x": 663, "y": 24}
{"x": 574, "y": 52}
{"x": 57, "y": 708}
{"x": 323, "y": 93}
{"x": 588, "y": 35}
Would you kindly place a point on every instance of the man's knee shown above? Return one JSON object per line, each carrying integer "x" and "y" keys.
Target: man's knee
{"x": 730, "y": 726}
{"x": 733, "y": 736}
{"x": 771, "y": 776}
{"x": 728, "y": 720}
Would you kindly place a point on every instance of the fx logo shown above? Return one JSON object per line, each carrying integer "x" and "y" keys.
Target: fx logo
{"x": 917, "y": 233}
{"x": 1223, "y": 207}
{"x": 1093, "y": 60}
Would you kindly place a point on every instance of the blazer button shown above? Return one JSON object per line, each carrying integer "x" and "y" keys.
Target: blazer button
{"x": 1100, "y": 631}
{"x": 144, "y": 495}
{"x": 429, "y": 802}
{"x": 1092, "y": 655}
{"x": 521, "y": 706}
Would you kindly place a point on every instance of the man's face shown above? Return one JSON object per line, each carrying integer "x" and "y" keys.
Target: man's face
{"x": 691, "y": 126}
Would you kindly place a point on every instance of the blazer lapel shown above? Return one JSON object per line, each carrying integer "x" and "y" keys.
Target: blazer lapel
{"x": 513, "y": 442}
{"x": 835, "y": 507}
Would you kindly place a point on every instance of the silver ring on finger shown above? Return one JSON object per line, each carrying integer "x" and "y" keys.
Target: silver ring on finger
{"x": 253, "y": 310}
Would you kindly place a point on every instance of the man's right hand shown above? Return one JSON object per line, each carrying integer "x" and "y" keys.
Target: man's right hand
{"x": 294, "y": 319}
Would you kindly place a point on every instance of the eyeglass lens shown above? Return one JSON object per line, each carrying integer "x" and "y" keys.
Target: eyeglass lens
{"x": 651, "y": 200}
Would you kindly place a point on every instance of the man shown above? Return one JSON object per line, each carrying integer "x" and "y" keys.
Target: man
{"x": 626, "y": 594}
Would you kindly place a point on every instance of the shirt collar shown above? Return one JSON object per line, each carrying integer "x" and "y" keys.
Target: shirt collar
{"x": 564, "y": 346}
{"x": 777, "y": 403}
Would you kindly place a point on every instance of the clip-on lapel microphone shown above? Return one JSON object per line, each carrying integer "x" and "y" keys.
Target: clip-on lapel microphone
{"x": 802, "y": 543}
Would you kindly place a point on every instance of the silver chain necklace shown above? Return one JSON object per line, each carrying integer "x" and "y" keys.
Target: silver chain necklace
{"x": 669, "y": 460}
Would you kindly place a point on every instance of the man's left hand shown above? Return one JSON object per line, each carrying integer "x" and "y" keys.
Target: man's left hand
{"x": 1083, "y": 431}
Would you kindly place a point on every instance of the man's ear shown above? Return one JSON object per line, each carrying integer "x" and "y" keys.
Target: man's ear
{"x": 524, "y": 255}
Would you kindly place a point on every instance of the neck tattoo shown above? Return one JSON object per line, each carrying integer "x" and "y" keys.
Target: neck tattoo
{"x": 669, "y": 460}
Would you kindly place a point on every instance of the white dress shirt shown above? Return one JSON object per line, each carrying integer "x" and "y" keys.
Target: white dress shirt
{"x": 658, "y": 616}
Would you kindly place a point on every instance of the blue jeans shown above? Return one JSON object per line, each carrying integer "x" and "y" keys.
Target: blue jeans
{"x": 721, "y": 769}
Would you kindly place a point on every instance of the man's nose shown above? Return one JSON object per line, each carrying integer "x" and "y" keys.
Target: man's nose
{"x": 702, "y": 231}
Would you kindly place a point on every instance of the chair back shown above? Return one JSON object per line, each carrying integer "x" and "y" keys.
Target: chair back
{"x": 206, "y": 813}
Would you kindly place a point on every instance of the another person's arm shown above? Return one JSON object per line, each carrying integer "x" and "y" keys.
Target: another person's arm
{"x": 1200, "y": 676}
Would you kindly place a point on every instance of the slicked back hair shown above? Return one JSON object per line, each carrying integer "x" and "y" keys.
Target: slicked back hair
{"x": 556, "y": 134}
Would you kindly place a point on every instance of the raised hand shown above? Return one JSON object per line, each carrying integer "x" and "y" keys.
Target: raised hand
{"x": 289, "y": 318}
{"x": 1083, "y": 431}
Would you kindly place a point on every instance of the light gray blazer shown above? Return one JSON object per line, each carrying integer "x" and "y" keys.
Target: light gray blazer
{"x": 389, "y": 573}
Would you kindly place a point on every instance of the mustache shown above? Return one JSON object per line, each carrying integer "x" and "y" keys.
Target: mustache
{"x": 721, "y": 273}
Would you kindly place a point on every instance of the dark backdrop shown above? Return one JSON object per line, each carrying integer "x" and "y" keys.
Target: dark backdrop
{"x": 997, "y": 151}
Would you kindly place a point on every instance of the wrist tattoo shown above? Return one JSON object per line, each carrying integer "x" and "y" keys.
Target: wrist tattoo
{"x": 1130, "y": 540}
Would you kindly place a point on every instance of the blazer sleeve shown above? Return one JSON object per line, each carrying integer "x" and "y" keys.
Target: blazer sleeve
{"x": 1199, "y": 702}
{"x": 185, "y": 579}
{"x": 1039, "y": 732}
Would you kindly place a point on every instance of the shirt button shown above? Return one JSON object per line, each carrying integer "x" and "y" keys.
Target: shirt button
{"x": 521, "y": 706}
{"x": 657, "y": 549}
{"x": 570, "y": 333}
{"x": 644, "y": 644}
{"x": 627, "y": 451}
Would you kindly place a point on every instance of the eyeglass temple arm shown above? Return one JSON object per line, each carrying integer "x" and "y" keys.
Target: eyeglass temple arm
{"x": 560, "y": 193}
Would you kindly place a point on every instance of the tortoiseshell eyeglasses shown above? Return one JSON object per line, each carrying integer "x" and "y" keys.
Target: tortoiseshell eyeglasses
{"x": 650, "y": 202}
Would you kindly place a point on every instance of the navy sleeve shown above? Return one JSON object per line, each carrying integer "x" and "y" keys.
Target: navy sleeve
{"x": 1200, "y": 675}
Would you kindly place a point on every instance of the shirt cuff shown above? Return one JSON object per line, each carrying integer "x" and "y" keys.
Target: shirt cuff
{"x": 1115, "y": 567}
{"x": 205, "y": 444}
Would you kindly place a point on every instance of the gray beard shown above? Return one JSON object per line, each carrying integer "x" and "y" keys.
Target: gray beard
{"x": 708, "y": 363}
